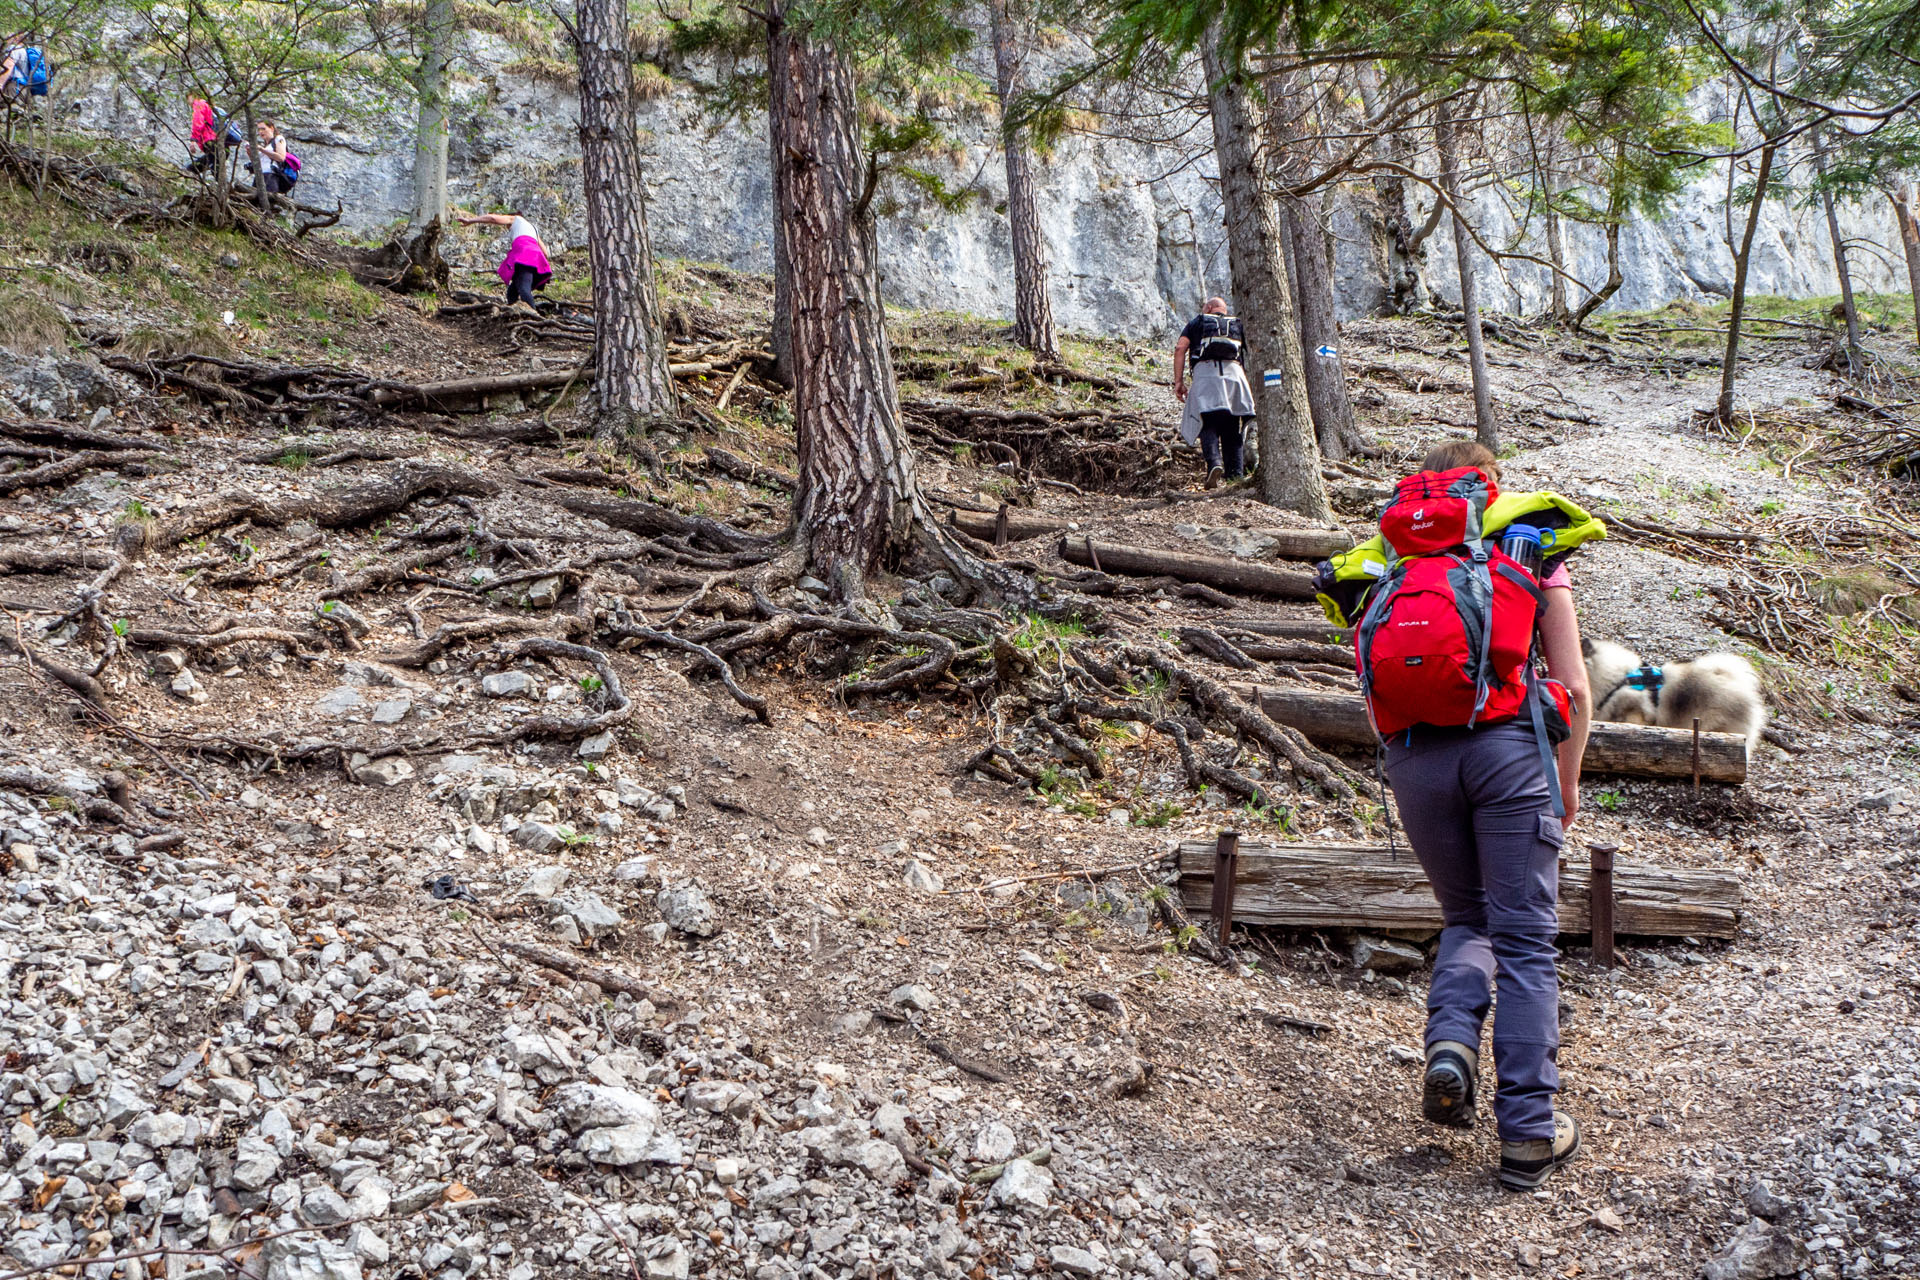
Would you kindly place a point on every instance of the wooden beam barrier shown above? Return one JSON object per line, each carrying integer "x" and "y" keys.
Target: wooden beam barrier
{"x": 1328, "y": 886}
{"x": 1639, "y": 750}
{"x": 1224, "y": 572}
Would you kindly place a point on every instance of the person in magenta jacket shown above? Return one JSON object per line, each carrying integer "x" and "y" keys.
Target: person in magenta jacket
{"x": 525, "y": 268}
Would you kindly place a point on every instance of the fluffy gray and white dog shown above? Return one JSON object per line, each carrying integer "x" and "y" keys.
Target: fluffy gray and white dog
{"x": 1722, "y": 689}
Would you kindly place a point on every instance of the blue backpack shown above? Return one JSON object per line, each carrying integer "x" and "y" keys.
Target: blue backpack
{"x": 32, "y": 68}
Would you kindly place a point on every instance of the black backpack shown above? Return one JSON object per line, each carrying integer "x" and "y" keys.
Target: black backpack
{"x": 1216, "y": 339}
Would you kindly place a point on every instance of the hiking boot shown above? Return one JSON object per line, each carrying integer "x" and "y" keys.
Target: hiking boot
{"x": 1213, "y": 476}
{"x": 1525, "y": 1165}
{"x": 1448, "y": 1094}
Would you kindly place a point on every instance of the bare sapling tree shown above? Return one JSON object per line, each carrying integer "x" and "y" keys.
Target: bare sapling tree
{"x": 1032, "y": 306}
{"x": 632, "y": 386}
{"x": 1446, "y": 136}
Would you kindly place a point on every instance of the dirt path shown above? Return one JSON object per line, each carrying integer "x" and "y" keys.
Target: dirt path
{"x": 400, "y": 1048}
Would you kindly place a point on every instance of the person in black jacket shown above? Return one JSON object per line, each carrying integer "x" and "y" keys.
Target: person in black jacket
{"x": 1218, "y": 400}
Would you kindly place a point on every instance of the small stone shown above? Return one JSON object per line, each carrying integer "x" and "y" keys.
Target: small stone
{"x": 368, "y": 1244}
{"x": 1024, "y": 1187}
{"x": 817, "y": 837}
{"x": 722, "y": 1097}
{"x": 1606, "y": 1218}
{"x": 543, "y": 882}
{"x": 168, "y": 662}
{"x": 339, "y": 702}
{"x": 1384, "y": 955}
{"x": 538, "y": 837}
{"x": 255, "y": 1163}
{"x": 994, "y": 1144}
{"x": 920, "y": 880}
{"x": 1119, "y": 818}
{"x": 628, "y": 1144}
{"x": 543, "y": 593}
{"x": 726, "y": 1171}
{"x": 509, "y": 684}
{"x": 307, "y": 1257}
{"x": 161, "y": 1129}
{"x": 185, "y": 685}
{"x": 913, "y": 996}
{"x": 599, "y": 1106}
{"x": 324, "y": 1207}
{"x": 596, "y": 747}
{"x": 1885, "y": 799}
{"x": 1761, "y": 1201}
{"x": 1759, "y": 1250}
{"x": 593, "y": 917}
{"x": 633, "y": 869}
{"x": 688, "y": 910}
{"x": 387, "y": 771}
{"x": 666, "y": 1260}
{"x": 392, "y": 711}
{"x": 1076, "y": 1262}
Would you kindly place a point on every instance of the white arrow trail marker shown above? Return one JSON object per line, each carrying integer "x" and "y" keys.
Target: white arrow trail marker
{"x": 1325, "y": 352}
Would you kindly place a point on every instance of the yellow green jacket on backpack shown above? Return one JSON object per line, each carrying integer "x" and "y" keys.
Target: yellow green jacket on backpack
{"x": 1343, "y": 579}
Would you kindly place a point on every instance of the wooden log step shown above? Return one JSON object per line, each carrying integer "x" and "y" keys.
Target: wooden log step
{"x": 1288, "y": 544}
{"x": 1328, "y": 886}
{"x": 1318, "y": 630}
{"x": 1640, "y": 750}
{"x": 1021, "y": 525}
{"x": 1225, "y": 572}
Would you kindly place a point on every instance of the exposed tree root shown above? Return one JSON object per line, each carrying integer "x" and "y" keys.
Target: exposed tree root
{"x": 619, "y": 708}
{"x": 453, "y": 634}
{"x": 301, "y": 643}
{"x": 338, "y": 509}
{"x": 66, "y": 468}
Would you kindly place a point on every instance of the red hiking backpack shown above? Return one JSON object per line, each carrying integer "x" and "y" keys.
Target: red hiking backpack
{"x": 1448, "y": 634}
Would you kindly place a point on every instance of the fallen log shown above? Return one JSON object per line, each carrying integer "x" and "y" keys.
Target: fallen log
{"x": 1020, "y": 525}
{"x": 1288, "y": 544}
{"x": 1317, "y": 630}
{"x": 1642, "y": 750}
{"x": 1224, "y": 572}
{"x": 1324, "y": 886}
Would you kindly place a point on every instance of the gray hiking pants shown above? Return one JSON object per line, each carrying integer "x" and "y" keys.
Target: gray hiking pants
{"x": 1477, "y": 812}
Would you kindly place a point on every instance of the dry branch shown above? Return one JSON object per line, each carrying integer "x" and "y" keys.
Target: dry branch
{"x": 1224, "y": 572}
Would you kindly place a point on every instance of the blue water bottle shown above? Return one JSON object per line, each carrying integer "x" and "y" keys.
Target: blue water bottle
{"x": 1523, "y": 545}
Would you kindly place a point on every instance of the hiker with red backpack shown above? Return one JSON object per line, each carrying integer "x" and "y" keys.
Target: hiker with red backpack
{"x": 1456, "y": 606}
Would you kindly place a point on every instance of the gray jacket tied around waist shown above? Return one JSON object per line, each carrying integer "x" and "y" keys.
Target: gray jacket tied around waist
{"x": 1216, "y": 384}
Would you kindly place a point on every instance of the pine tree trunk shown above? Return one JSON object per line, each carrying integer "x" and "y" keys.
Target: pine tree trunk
{"x": 855, "y": 499}
{"x": 632, "y": 388}
{"x": 782, "y": 284}
{"x": 1840, "y": 268}
{"x": 1902, "y": 197}
{"x": 430, "y": 138}
{"x": 1723, "y": 408}
{"x": 1485, "y": 426}
{"x": 1257, "y": 255}
{"x": 1032, "y": 307}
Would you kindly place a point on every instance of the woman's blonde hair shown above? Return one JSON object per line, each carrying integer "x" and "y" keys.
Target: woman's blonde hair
{"x": 1462, "y": 453}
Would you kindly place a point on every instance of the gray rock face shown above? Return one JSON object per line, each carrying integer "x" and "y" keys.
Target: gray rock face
{"x": 1134, "y": 232}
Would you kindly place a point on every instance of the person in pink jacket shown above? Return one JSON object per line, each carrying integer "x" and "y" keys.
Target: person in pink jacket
{"x": 205, "y": 135}
{"x": 525, "y": 268}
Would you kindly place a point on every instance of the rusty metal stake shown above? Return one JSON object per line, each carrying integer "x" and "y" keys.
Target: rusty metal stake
{"x": 1226, "y": 864}
{"x": 1094, "y": 557}
{"x": 1000, "y": 527}
{"x": 1600, "y": 906}
{"x": 1696, "y": 759}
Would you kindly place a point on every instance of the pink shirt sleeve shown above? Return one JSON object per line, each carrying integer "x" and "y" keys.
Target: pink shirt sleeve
{"x": 1559, "y": 577}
